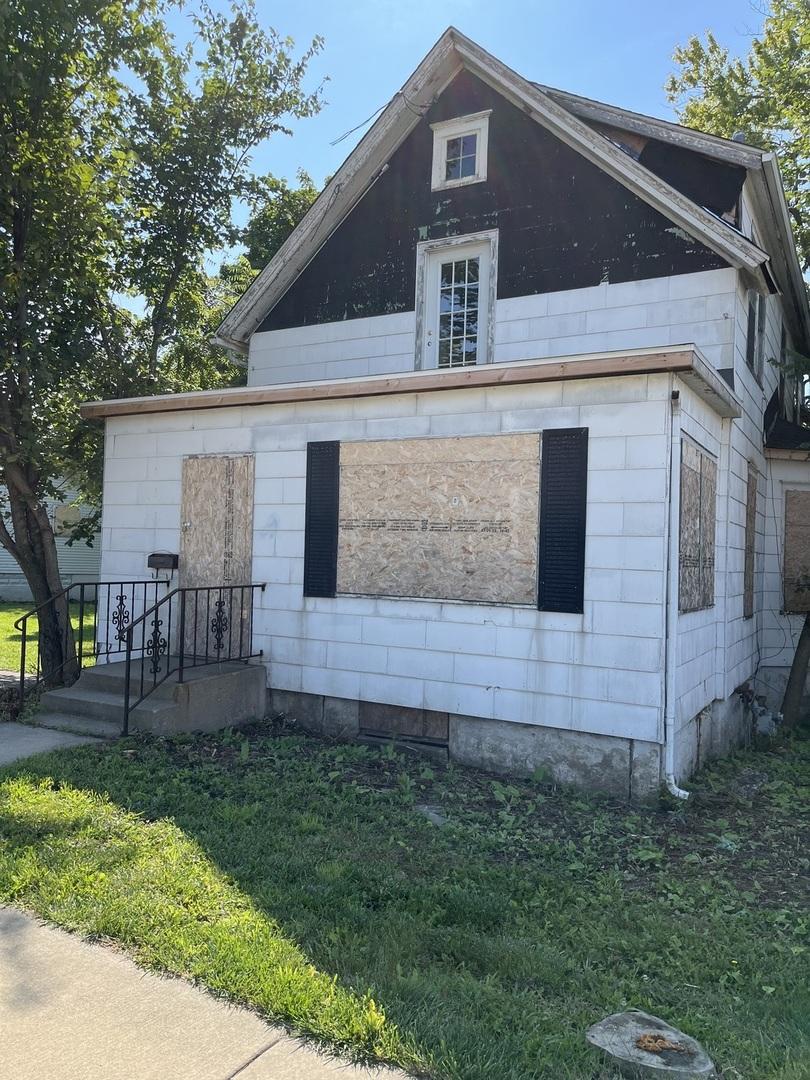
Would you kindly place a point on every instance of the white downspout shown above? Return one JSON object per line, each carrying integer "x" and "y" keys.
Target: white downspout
{"x": 673, "y": 562}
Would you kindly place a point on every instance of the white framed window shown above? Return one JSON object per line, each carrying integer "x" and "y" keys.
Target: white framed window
{"x": 460, "y": 151}
{"x": 455, "y": 299}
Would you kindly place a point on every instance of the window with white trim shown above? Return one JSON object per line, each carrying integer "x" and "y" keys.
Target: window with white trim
{"x": 460, "y": 151}
{"x": 454, "y": 302}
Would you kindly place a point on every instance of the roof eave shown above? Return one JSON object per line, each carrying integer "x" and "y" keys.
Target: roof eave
{"x": 772, "y": 211}
{"x": 686, "y": 361}
{"x": 714, "y": 146}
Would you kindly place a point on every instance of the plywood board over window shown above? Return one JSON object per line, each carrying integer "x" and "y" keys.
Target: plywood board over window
{"x": 453, "y": 518}
{"x": 750, "y": 541}
{"x": 697, "y": 527}
{"x": 797, "y": 551}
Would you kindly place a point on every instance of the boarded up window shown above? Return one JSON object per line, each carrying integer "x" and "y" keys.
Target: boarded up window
{"x": 698, "y": 519}
{"x": 750, "y": 542}
{"x": 450, "y": 518}
{"x": 797, "y": 551}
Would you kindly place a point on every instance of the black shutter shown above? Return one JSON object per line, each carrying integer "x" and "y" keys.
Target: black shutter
{"x": 321, "y": 521}
{"x": 563, "y": 496}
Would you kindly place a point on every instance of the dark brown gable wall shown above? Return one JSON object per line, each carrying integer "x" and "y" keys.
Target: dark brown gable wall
{"x": 563, "y": 223}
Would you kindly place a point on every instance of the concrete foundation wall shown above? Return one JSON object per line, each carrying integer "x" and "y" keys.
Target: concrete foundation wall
{"x": 625, "y": 768}
{"x": 717, "y": 730}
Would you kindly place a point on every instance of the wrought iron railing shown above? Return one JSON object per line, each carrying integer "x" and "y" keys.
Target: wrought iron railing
{"x": 187, "y": 628}
{"x": 94, "y": 615}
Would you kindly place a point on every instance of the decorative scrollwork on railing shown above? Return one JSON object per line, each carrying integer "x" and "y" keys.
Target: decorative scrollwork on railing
{"x": 156, "y": 645}
{"x": 120, "y": 617}
{"x": 219, "y": 626}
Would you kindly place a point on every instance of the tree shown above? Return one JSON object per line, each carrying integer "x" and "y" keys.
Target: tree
{"x": 764, "y": 96}
{"x": 192, "y": 362}
{"x": 120, "y": 158}
{"x": 277, "y": 210}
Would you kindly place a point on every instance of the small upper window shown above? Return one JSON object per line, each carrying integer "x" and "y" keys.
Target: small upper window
{"x": 456, "y": 279}
{"x": 460, "y": 151}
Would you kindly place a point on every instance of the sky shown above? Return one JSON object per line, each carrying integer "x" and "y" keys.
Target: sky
{"x": 619, "y": 51}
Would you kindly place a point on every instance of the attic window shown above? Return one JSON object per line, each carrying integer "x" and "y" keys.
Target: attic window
{"x": 460, "y": 151}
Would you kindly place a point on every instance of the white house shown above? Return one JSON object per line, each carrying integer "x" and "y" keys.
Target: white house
{"x": 502, "y": 457}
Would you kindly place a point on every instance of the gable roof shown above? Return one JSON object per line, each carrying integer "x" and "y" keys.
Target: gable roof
{"x": 451, "y": 53}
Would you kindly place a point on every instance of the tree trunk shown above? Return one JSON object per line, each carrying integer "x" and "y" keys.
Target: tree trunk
{"x": 792, "y": 701}
{"x": 33, "y": 546}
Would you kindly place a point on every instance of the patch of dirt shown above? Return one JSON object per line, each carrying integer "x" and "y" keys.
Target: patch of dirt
{"x": 655, "y": 1043}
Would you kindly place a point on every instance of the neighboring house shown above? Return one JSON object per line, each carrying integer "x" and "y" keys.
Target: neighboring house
{"x": 77, "y": 562}
{"x": 501, "y": 457}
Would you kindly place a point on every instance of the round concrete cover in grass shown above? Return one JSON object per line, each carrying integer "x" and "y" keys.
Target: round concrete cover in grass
{"x": 643, "y": 1046}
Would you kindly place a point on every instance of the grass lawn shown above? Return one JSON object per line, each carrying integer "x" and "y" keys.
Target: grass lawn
{"x": 10, "y": 639}
{"x": 302, "y": 878}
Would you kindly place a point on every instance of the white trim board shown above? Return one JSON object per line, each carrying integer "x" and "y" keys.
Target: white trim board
{"x": 685, "y": 361}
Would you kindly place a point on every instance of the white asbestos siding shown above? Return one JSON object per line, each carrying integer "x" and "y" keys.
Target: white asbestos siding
{"x": 744, "y": 637}
{"x": 689, "y": 308}
{"x": 601, "y": 671}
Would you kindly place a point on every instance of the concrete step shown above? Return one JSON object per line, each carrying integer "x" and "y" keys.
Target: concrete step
{"x": 211, "y": 698}
{"x": 110, "y": 678}
{"x": 78, "y": 725}
{"x": 90, "y": 703}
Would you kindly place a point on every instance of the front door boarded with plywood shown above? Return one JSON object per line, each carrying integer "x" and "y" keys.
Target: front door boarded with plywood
{"x": 216, "y": 550}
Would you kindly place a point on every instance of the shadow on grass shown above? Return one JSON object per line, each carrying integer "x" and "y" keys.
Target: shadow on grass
{"x": 489, "y": 944}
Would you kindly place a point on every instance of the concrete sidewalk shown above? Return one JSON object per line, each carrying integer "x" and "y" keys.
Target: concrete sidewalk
{"x": 74, "y": 1011}
{"x": 19, "y": 741}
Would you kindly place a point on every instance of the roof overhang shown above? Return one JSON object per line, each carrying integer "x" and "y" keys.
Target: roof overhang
{"x": 713, "y": 146}
{"x": 771, "y": 209}
{"x": 685, "y": 361}
{"x": 449, "y": 55}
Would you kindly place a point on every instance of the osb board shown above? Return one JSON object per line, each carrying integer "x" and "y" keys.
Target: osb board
{"x": 750, "y": 538}
{"x": 697, "y": 528}
{"x": 797, "y": 551}
{"x": 453, "y": 519}
{"x": 216, "y": 547}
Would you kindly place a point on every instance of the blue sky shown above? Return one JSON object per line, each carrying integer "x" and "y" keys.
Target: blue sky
{"x": 619, "y": 51}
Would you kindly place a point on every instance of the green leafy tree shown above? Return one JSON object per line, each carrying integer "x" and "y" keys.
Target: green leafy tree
{"x": 121, "y": 156}
{"x": 278, "y": 208}
{"x": 764, "y": 96}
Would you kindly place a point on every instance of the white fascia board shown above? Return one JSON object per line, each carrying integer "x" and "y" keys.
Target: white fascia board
{"x": 774, "y": 216}
{"x": 734, "y": 153}
{"x": 705, "y": 381}
{"x": 706, "y": 227}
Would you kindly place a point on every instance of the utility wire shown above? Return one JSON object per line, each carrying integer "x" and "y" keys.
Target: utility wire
{"x": 417, "y": 110}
